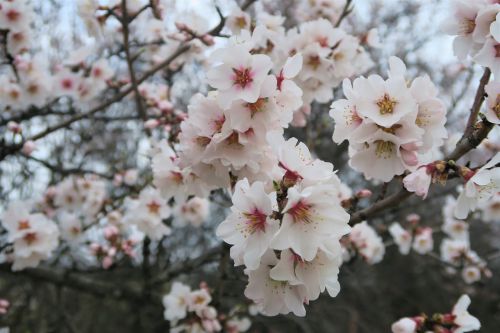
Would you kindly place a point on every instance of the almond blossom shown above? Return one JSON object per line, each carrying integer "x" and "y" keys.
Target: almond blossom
{"x": 274, "y": 297}
{"x": 240, "y": 75}
{"x": 389, "y": 124}
{"x": 194, "y": 211}
{"x": 423, "y": 242}
{"x": 367, "y": 242}
{"x": 148, "y": 212}
{"x": 479, "y": 188}
{"x": 310, "y": 218}
{"x": 33, "y": 236}
{"x": 176, "y": 301}
{"x": 464, "y": 321}
{"x": 250, "y": 226}
{"x": 316, "y": 275}
{"x": 493, "y": 102}
{"x": 401, "y": 237}
{"x": 404, "y": 325}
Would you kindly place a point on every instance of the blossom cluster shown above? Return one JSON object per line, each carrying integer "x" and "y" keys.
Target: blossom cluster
{"x": 476, "y": 25}
{"x": 33, "y": 236}
{"x": 365, "y": 241}
{"x": 459, "y": 320}
{"x": 287, "y": 235}
{"x": 15, "y": 19}
{"x": 480, "y": 186}
{"x": 190, "y": 311}
{"x": 417, "y": 237}
{"x": 390, "y": 125}
{"x": 77, "y": 211}
{"x": 455, "y": 248}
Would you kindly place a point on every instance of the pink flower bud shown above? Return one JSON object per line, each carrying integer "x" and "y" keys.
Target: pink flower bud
{"x": 14, "y": 127}
{"x": 151, "y": 123}
{"x": 110, "y": 232}
{"x": 181, "y": 26}
{"x": 94, "y": 247}
{"x": 165, "y": 106}
{"x": 364, "y": 193}
{"x": 28, "y": 147}
{"x": 207, "y": 39}
{"x": 112, "y": 251}
{"x": 107, "y": 262}
{"x": 4, "y": 303}
{"x": 409, "y": 157}
{"x": 413, "y": 218}
{"x": 118, "y": 179}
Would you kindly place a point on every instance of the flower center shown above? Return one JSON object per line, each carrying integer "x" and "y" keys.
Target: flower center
{"x": 13, "y": 15}
{"x": 391, "y": 130}
{"x": 467, "y": 26}
{"x": 33, "y": 88}
{"x": 30, "y": 237}
{"x": 218, "y": 123}
{"x": 199, "y": 300}
{"x": 257, "y": 106}
{"x": 255, "y": 221}
{"x": 241, "y": 22}
{"x": 176, "y": 177}
{"x": 301, "y": 212}
{"x": 242, "y": 77}
{"x": 496, "y": 108}
{"x": 314, "y": 62}
{"x": 97, "y": 72}
{"x": 23, "y": 225}
{"x": 67, "y": 83}
{"x": 384, "y": 149}
{"x": 322, "y": 41}
{"x": 233, "y": 139}
{"x": 153, "y": 207}
{"x": 386, "y": 104}
{"x": 202, "y": 140}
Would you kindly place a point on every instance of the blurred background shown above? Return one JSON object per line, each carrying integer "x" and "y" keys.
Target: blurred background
{"x": 372, "y": 296}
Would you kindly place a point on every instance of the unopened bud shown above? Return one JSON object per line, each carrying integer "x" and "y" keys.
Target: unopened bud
{"x": 465, "y": 173}
{"x": 413, "y": 218}
{"x": 364, "y": 193}
{"x": 28, "y": 147}
{"x": 181, "y": 26}
{"x": 14, "y": 127}
{"x": 151, "y": 123}
{"x": 208, "y": 40}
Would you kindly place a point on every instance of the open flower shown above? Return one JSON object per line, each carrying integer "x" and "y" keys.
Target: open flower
{"x": 148, "y": 212}
{"x": 404, "y": 325}
{"x": 240, "y": 74}
{"x": 401, "y": 237}
{"x": 464, "y": 321}
{"x": 249, "y": 227}
{"x": 493, "y": 102}
{"x": 176, "y": 302}
{"x": 274, "y": 297}
{"x": 316, "y": 275}
{"x": 310, "y": 217}
{"x": 479, "y": 188}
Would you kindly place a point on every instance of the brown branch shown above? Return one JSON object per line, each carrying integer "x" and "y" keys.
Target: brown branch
{"x": 125, "y": 31}
{"x": 75, "y": 281}
{"x": 345, "y": 12}
{"x": 476, "y": 106}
